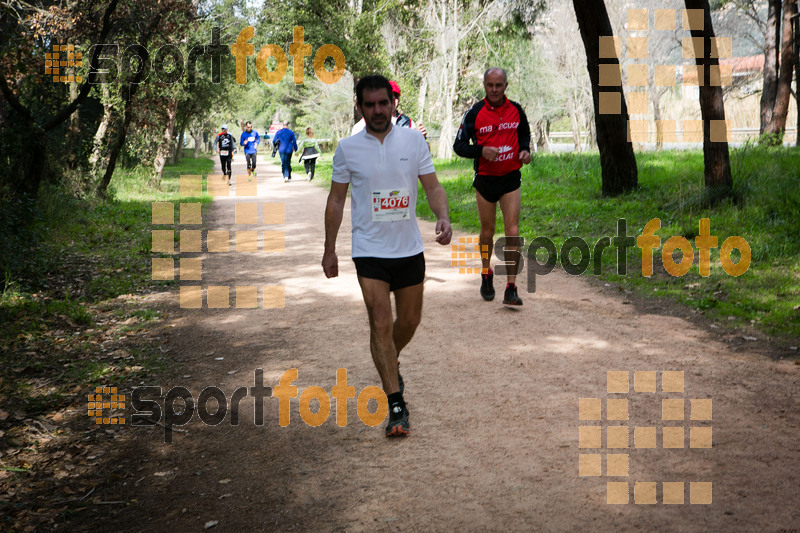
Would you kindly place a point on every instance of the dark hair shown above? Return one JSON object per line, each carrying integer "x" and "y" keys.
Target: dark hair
{"x": 376, "y": 81}
{"x": 248, "y": 122}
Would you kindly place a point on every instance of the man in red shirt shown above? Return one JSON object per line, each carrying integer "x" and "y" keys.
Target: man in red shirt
{"x": 495, "y": 133}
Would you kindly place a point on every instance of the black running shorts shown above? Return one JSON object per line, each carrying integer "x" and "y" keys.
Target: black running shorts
{"x": 399, "y": 273}
{"x": 251, "y": 161}
{"x": 493, "y": 187}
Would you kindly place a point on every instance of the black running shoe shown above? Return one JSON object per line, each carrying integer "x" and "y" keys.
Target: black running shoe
{"x": 398, "y": 421}
{"x": 487, "y": 289}
{"x": 511, "y": 297}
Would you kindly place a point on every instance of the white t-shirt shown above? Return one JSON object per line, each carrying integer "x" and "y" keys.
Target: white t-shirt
{"x": 383, "y": 190}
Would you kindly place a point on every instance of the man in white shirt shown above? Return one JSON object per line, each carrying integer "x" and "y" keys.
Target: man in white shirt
{"x": 382, "y": 164}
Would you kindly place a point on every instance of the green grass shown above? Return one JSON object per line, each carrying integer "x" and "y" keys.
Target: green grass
{"x": 58, "y": 302}
{"x": 561, "y": 199}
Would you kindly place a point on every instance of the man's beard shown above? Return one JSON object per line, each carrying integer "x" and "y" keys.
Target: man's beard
{"x": 371, "y": 125}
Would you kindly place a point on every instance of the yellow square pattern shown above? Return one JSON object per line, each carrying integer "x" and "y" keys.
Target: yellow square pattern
{"x": 246, "y": 297}
{"x": 163, "y": 213}
{"x": 589, "y": 436}
{"x": 665, "y": 19}
{"x": 191, "y": 241}
{"x": 589, "y": 408}
{"x": 644, "y": 380}
{"x": 617, "y": 381}
{"x": 274, "y": 214}
{"x": 274, "y": 297}
{"x": 617, "y": 464}
{"x": 589, "y": 464}
{"x": 191, "y": 268}
{"x": 191, "y": 213}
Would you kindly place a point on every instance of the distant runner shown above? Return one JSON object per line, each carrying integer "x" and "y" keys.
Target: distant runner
{"x": 286, "y": 143}
{"x": 310, "y": 153}
{"x": 226, "y": 147}
{"x": 250, "y": 140}
{"x": 495, "y": 133}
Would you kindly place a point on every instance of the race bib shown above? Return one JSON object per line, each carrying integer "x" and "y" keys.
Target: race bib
{"x": 390, "y": 204}
{"x": 251, "y": 139}
{"x": 223, "y": 152}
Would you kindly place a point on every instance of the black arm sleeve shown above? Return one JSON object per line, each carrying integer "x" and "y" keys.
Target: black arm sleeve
{"x": 523, "y": 131}
{"x": 466, "y": 144}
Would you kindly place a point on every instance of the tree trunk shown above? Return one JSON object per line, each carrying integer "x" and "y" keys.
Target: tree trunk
{"x": 712, "y": 108}
{"x": 450, "y": 40}
{"x": 573, "y": 121}
{"x": 421, "y": 97}
{"x": 131, "y": 89}
{"x": 197, "y": 135}
{"x": 74, "y": 129}
{"x": 542, "y": 146}
{"x": 164, "y": 148}
{"x": 96, "y": 159}
{"x": 116, "y": 147}
{"x": 796, "y": 42}
{"x": 777, "y": 125}
{"x": 655, "y": 98}
{"x": 177, "y": 153}
{"x": 618, "y": 162}
{"x": 770, "y": 87}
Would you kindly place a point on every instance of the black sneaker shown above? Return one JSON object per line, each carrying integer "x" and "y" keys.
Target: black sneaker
{"x": 511, "y": 297}
{"x": 487, "y": 289}
{"x": 398, "y": 421}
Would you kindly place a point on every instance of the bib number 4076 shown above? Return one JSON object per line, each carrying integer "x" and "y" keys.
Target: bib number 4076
{"x": 394, "y": 202}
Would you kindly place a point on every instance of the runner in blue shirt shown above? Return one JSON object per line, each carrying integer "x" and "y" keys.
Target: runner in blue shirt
{"x": 286, "y": 147}
{"x": 250, "y": 140}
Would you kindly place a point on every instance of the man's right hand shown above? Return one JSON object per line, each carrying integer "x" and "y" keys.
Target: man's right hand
{"x": 330, "y": 264}
{"x": 490, "y": 152}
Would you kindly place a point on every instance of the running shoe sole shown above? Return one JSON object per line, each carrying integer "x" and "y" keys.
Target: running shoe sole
{"x": 399, "y": 427}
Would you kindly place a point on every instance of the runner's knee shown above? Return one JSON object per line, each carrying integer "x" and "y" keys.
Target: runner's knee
{"x": 380, "y": 322}
{"x": 409, "y": 321}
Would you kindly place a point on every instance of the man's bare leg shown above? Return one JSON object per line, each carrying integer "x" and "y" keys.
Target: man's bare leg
{"x": 381, "y": 326}
{"x": 510, "y": 204}
{"x": 408, "y": 304}
{"x": 487, "y": 213}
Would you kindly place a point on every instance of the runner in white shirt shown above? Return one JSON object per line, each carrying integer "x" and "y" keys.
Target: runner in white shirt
{"x": 382, "y": 164}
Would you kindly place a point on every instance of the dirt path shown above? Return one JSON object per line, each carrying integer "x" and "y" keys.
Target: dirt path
{"x": 493, "y": 395}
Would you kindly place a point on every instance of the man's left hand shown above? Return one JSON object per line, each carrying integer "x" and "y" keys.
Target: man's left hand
{"x": 525, "y": 157}
{"x": 443, "y": 232}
